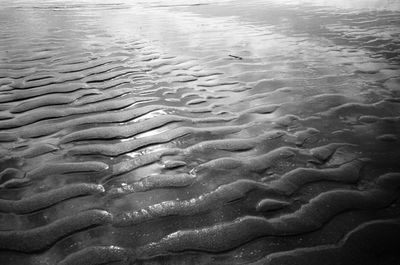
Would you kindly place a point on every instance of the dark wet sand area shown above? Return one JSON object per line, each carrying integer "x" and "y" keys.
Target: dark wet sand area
{"x": 200, "y": 132}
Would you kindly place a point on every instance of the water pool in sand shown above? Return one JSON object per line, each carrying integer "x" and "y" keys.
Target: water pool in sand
{"x": 199, "y": 132}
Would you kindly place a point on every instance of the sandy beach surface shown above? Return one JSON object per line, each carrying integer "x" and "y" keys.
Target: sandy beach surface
{"x": 200, "y": 132}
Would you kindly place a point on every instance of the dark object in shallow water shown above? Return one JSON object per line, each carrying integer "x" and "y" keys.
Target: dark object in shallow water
{"x": 236, "y": 57}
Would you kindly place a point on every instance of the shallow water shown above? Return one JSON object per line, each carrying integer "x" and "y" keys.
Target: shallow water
{"x": 199, "y": 132}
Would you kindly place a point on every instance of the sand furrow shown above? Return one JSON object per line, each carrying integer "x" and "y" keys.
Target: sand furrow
{"x": 43, "y": 237}
{"x": 308, "y": 218}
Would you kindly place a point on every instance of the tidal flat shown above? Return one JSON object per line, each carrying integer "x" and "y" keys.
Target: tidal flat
{"x": 225, "y": 132}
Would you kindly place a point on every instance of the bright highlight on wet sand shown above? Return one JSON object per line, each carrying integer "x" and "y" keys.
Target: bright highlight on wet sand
{"x": 199, "y": 132}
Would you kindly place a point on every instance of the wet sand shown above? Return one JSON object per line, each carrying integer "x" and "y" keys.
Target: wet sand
{"x": 199, "y": 132}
